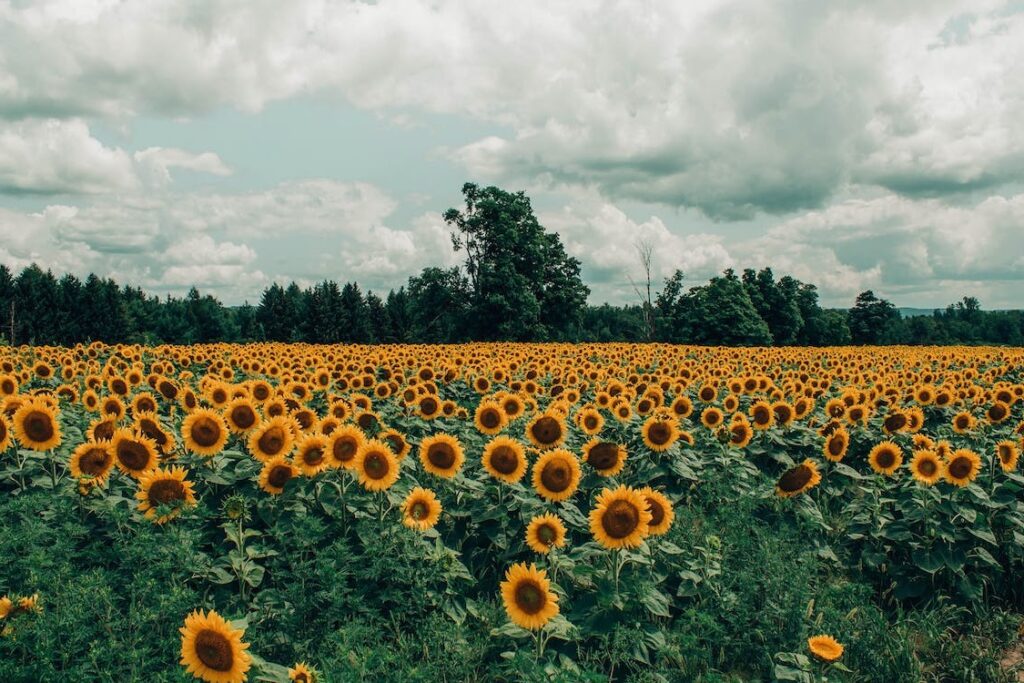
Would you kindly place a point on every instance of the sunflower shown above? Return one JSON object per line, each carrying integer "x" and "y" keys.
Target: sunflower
{"x": 513, "y": 406}
{"x": 204, "y": 432}
{"x": 212, "y": 650}
{"x": 376, "y": 465}
{"x": 134, "y": 454}
{"x": 545, "y": 430}
{"x": 997, "y": 412}
{"x": 1008, "y": 453}
{"x": 926, "y": 466}
{"x": 400, "y": 446}
{"x": 36, "y": 426}
{"x": 428, "y": 407}
{"x": 711, "y": 417}
{"x": 241, "y": 415}
{"x": 489, "y": 418}
{"x": 311, "y": 454}
{"x": 303, "y": 673}
{"x": 544, "y": 533}
{"x": 963, "y": 466}
{"x": 272, "y": 438}
{"x": 740, "y": 434}
{"x": 163, "y": 493}
{"x": 682, "y": 407}
{"x": 421, "y": 509}
{"x": 621, "y": 518}
{"x": 825, "y": 648}
{"x": 895, "y": 421}
{"x": 112, "y": 406}
{"x": 796, "y": 480}
{"x": 659, "y": 433}
{"x": 5, "y": 434}
{"x": 606, "y": 457}
{"x": 276, "y": 472}
{"x": 101, "y": 429}
{"x": 504, "y": 459}
{"x": 784, "y": 413}
{"x": 836, "y": 444}
{"x": 590, "y": 421}
{"x": 527, "y": 595}
{"x": 964, "y": 422}
{"x": 762, "y": 415}
{"x": 661, "y": 511}
{"x": 441, "y": 455}
{"x": 344, "y": 443}
{"x": 149, "y": 425}
{"x": 556, "y": 475}
{"x": 885, "y": 458}
{"x": 92, "y": 460}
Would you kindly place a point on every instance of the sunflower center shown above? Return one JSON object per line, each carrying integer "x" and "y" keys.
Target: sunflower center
{"x": 962, "y": 421}
{"x": 279, "y": 476}
{"x": 490, "y": 418}
{"x": 396, "y": 442}
{"x": 428, "y": 406}
{"x": 366, "y": 420}
{"x": 657, "y": 512}
{"x": 150, "y": 429}
{"x": 547, "y": 430}
{"x": 590, "y": 422}
{"x": 94, "y": 461}
{"x": 960, "y": 468}
{"x": 166, "y": 491}
{"x": 376, "y": 466}
{"x": 313, "y": 456}
{"x": 556, "y": 476}
{"x": 1005, "y": 453}
{"x": 214, "y": 650}
{"x": 885, "y": 459}
{"x": 762, "y": 415}
{"x": 927, "y": 467}
{"x": 419, "y": 510}
{"x": 441, "y": 455}
{"x": 739, "y": 433}
{"x": 504, "y": 459}
{"x": 146, "y": 405}
{"x": 511, "y": 408}
{"x": 530, "y": 598}
{"x": 243, "y": 417}
{"x": 38, "y": 426}
{"x": 167, "y": 389}
{"x": 133, "y": 455}
{"x": 712, "y": 417}
{"x": 997, "y": 412}
{"x": 795, "y": 479}
{"x": 103, "y": 431}
{"x": 271, "y": 441}
{"x": 546, "y": 534}
{"x": 896, "y": 422}
{"x": 620, "y": 519}
{"x": 205, "y": 431}
{"x": 660, "y": 433}
{"x": 835, "y": 446}
{"x": 604, "y": 455}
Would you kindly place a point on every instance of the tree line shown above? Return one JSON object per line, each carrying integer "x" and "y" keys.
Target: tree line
{"x": 516, "y": 283}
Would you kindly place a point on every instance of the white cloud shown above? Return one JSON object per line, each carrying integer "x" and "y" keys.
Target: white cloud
{"x": 155, "y": 163}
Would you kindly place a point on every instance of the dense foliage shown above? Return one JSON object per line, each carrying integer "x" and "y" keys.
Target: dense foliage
{"x": 725, "y": 514}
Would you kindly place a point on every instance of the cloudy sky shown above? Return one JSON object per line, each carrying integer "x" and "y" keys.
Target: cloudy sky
{"x": 231, "y": 143}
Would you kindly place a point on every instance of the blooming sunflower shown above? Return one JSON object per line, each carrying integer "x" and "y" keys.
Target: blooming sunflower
{"x": 441, "y": 455}
{"x": 799, "y": 479}
{"x": 311, "y": 454}
{"x": 163, "y": 493}
{"x": 272, "y": 438}
{"x": 36, "y": 426}
{"x": 489, "y": 418}
{"x": 621, "y": 518}
{"x": 761, "y": 415}
{"x": 545, "y": 430}
{"x": 711, "y": 417}
{"x": 344, "y": 443}
{"x": 212, "y": 650}
{"x": 590, "y": 421}
{"x": 740, "y": 434}
{"x": 5, "y": 434}
{"x": 376, "y": 466}
{"x": 92, "y": 460}
{"x": 825, "y": 648}
{"x": 836, "y": 444}
{"x": 659, "y": 433}
{"x": 529, "y": 601}
{"x": 556, "y": 475}
{"x": 885, "y": 458}
{"x": 504, "y": 459}
{"x": 134, "y": 454}
{"x": 544, "y": 533}
{"x": 963, "y": 466}
{"x": 302, "y": 673}
{"x": 926, "y": 466}
{"x": 662, "y": 513}
{"x": 964, "y": 422}
{"x": 149, "y": 425}
{"x": 241, "y": 415}
{"x": 1008, "y": 453}
{"x": 606, "y": 457}
{"x": 204, "y": 432}
{"x": 421, "y": 509}
{"x": 277, "y": 472}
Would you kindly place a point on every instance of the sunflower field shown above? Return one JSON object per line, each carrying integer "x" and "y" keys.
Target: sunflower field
{"x": 510, "y": 512}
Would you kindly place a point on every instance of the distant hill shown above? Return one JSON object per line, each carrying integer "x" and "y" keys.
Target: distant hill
{"x": 916, "y": 312}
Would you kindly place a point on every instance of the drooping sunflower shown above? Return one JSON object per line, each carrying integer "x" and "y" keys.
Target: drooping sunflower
{"x": 212, "y": 650}
{"x": 1008, "y": 453}
{"x": 376, "y": 466}
{"x": 272, "y": 438}
{"x": 659, "y": 433}
{"x": 606, "y": 457}
{"x": 926, "y": 467}
{"x": 826, "y": 648}
{"x": 311, "y": 454}
{"x": 163, "y": 494}
{"x": 204, "y": 432}
{"x": 836, "y": 445}
{"x": 277, "y": 472}
{"x": 36, "y": 426}
{"x": 556, "y": 475}
{"x": 421, "y": 509}
{"x": 526, "y": 593}
{"x": 441, "y": 455}
{"x": 621, "y": 518}
{"x": 504, "y": 459}
{"x": 963, "y": 466}
{"x": 344, "y": 443}
{"x": 799, "y": 479}
{"x": 241, "y": 415}
{"x": 544, "y": 533}
{"x": 885, "y": 458}
{"x": 92, "y": 460}
{"x": 489, "y": 418}
{"x": 134, "y": 454}
{"x": 660, "y": 507}
{"x": 545, "y": 430}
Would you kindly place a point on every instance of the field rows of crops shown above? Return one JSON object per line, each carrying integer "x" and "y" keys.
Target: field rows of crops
{"x": 508, "y": 512}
